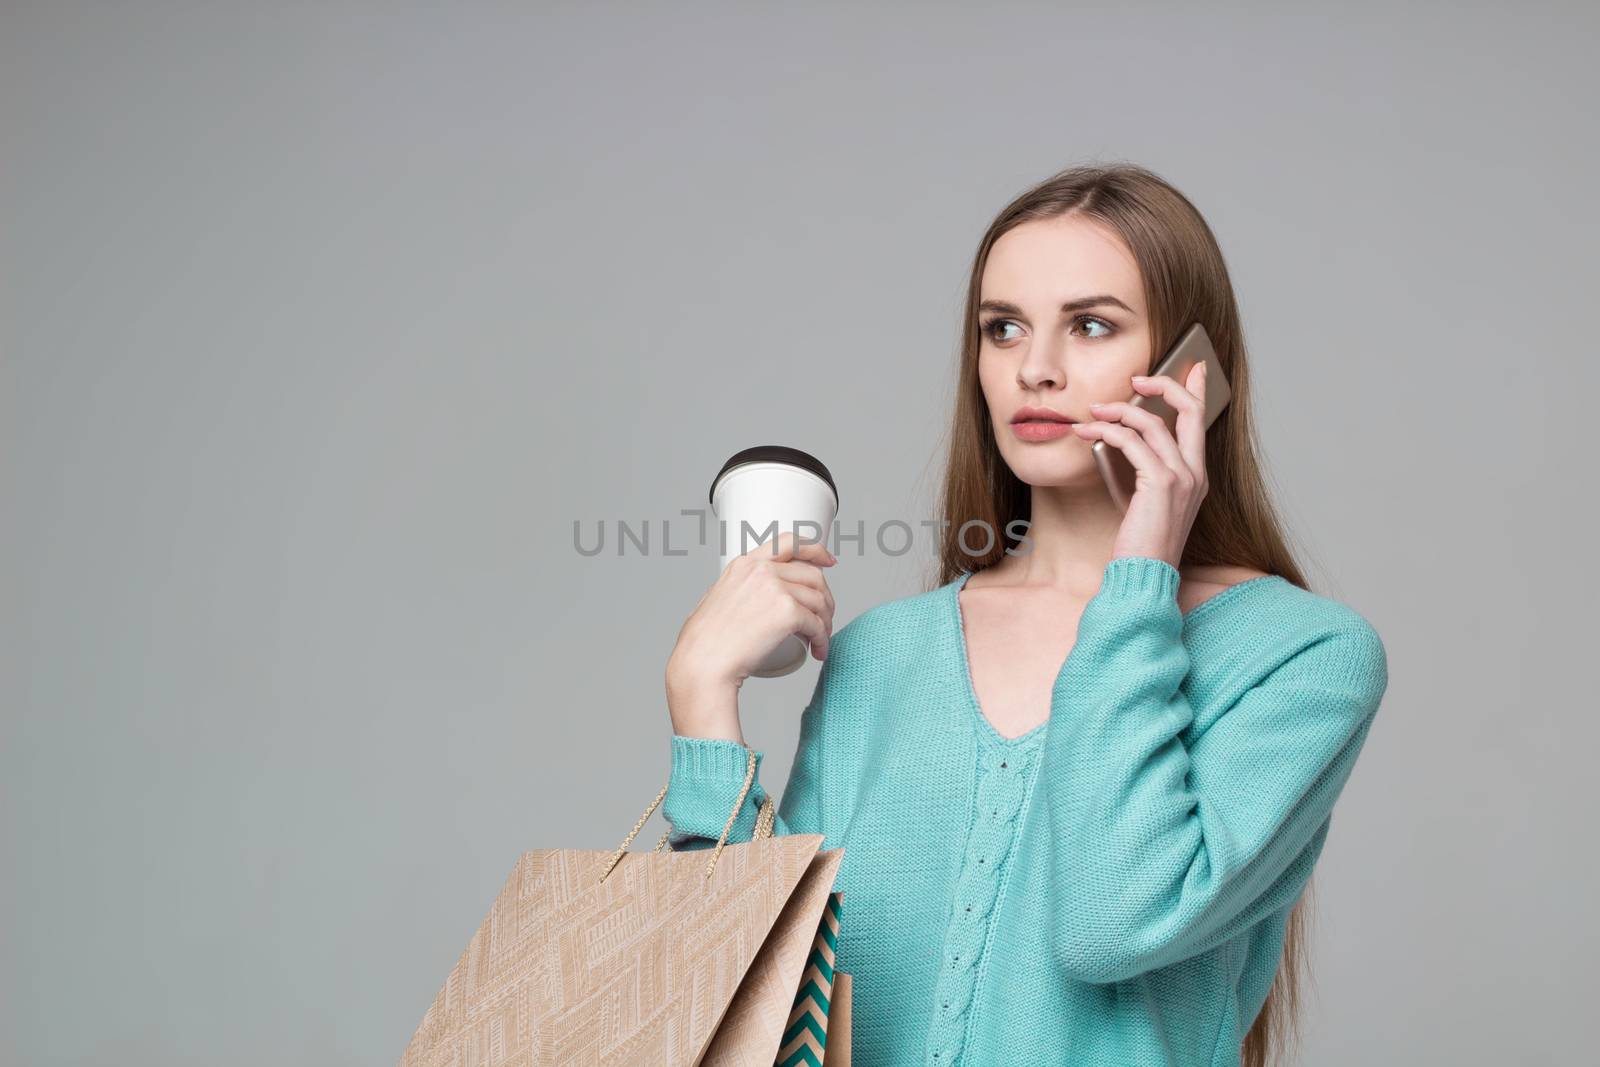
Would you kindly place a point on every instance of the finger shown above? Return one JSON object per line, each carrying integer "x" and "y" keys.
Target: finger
{"x": 808, "y": 574}
{"x": 816, "y": 552}
{"x": 774, "y": 546}
{"x": 778, "y": 546}
{"x": 1129, "y": 440}
{"x": 809, "y": 598}
{"x": 786, "y": 546}
{"x": 1191, "y": 408}
{"x": 1152, "y": 427}
{"x": 1192, "y": 434}
{"x": 805, "y": 564}
{"x": 814, "y": 628}
{"x": 816, "y": 620}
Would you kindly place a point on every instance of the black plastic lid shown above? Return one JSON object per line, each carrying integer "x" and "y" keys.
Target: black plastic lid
{"x": 777, "y": 454}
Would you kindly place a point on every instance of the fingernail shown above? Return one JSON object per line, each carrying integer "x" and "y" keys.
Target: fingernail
{"x": 1140, "y": 378}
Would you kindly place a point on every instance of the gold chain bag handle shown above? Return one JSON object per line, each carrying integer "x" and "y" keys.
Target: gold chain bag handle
{"x": 763, "y": 820}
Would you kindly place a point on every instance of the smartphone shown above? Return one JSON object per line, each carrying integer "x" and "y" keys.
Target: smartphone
{"x": 1193, "y": 347}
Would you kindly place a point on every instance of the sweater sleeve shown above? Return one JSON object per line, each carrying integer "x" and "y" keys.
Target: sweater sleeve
{"x": 708, "y": 772}
{"x": 1147, "y": 850}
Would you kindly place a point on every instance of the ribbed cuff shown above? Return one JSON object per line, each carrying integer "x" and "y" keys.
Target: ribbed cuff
{"x": 708, "y": 757}
{"x": 1139, "y": 576}
{"x": 707, "y": 774}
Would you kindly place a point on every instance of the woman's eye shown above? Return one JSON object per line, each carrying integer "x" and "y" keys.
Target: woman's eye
{"x": 990, "y": 328}
{"x": 1088, "y": 320}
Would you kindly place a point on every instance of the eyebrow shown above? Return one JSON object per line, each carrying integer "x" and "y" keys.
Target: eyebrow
{"x": 1080, "y": 304}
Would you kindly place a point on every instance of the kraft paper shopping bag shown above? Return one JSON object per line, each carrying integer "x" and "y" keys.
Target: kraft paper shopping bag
{"x": 648, "y": 958}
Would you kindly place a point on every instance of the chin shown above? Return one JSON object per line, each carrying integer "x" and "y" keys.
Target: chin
{"x": 1069, "y": 464}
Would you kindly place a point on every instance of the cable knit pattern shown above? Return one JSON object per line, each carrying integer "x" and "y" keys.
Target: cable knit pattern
{"x": 1004, "y": 772}
{"x": 1109, "y": 890}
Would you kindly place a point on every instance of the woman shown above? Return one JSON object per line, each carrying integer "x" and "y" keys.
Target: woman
{"x": 1082, "y": 782}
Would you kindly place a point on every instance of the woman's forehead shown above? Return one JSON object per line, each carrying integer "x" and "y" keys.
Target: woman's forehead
{"x": 1048, "y": 261}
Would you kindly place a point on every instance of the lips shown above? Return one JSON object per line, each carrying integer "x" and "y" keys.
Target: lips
{"x": 1032, "y": 414}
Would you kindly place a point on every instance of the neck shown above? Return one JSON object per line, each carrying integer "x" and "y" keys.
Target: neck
{"x": 1069, "y": 541}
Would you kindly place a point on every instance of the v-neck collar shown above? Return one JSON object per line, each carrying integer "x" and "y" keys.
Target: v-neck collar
{"x": 952, "y": 592}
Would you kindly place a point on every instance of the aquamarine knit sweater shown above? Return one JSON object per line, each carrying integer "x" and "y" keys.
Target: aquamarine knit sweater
{"x": 1109, "y": 890}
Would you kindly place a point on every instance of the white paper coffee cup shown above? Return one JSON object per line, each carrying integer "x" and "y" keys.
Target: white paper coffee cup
{"x": 762, "y": 485}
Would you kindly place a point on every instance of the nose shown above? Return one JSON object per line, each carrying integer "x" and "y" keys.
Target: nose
{"x": 1043, "y": 366}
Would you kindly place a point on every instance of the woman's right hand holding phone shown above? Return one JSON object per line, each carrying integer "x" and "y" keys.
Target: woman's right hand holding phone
{"x": 757, "y": 602}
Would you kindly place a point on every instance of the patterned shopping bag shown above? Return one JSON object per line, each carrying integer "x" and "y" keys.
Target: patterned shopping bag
{"x": 722, "y": 956}
{"x": 823, "y": 999}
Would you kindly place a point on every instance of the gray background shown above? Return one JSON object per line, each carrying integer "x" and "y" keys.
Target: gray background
{"x": 323, "y": 325}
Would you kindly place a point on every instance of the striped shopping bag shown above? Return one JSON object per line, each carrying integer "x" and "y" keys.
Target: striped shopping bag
{"x": 822, "y": 1006}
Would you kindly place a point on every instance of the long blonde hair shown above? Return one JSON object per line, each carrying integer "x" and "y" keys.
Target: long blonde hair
{"x": 1185, "y": 280}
